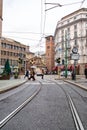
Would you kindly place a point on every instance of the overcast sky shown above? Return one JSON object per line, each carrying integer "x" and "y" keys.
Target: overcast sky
{"x": 27, "y": 21}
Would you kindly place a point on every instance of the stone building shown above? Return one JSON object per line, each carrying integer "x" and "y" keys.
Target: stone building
{"x": 12, "y": 50}
{"x": 71, "y": 31}
{"x": 1, "y": 19}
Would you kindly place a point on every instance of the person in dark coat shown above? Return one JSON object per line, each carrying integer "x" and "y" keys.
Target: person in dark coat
{"x": 32, "y": 74}
{"x": 85, "y": 71}
{"x": 26, "y": 74}
{"x": 42, "y": 73}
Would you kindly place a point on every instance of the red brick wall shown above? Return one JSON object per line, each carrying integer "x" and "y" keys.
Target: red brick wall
{"x": 49, "y": 53}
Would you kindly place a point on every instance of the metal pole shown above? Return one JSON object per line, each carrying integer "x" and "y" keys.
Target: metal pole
{"x": 75, "y": 69}
{"x": 65, "y": 54}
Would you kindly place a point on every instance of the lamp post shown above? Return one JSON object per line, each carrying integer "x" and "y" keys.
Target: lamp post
{"x": 0, "y": 50}
{"x": 75, "y": 57}
{"x": 65, "y": 54}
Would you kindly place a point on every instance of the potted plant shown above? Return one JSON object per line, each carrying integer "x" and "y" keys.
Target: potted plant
{"x": 16, "y": 75}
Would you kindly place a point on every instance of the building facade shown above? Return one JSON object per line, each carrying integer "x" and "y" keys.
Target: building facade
{"x": 1, "y": 19}
{"x": 12, "y": 50}
{"x": 50, "y": 53}
{"x": 71, "y": 31}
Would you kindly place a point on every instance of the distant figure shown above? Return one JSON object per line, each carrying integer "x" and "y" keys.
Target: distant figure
{"x": 26, "y": 74}
{"x": 32, "y": 74}
{"x": 85, "y": 72}
{"x": 42, "y": 73}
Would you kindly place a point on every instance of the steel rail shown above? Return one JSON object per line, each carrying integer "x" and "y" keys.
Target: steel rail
{"x": 13, "y": 113}
{"x": 76, "y": 118}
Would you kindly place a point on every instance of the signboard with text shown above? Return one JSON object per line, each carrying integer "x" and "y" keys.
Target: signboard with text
{"x": 75, "y": 56}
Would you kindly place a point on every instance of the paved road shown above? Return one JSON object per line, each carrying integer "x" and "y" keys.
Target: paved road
{"x": 49, "y": 110}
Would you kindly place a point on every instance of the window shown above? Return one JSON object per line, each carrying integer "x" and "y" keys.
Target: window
{"x": 3, "y": 61}
{"x": 74, "y": 17}
{"x": 3, "y": 45}
{"x": 75, "y": 27}
{"x": 48, "y": 47}
{"x": 75, "y": 34}
{"x": 68, "y": 29}
{"x": 67, "y": 21}
{"x": 75, "y": 41}
{"x": 62, "y": 32}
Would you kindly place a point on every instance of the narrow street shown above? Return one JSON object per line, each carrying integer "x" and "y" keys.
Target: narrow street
{"x": 49, "y": 109}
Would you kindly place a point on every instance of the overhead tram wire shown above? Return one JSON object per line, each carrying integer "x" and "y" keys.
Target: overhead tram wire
{"x": 22, "y": 32}
{"x": 41, "y": 22}
{"x": 44, "y": 19}
{"x": 43, "y": 36}
{"x": 60, "y": 5}
{"x": 82, "y": 3}
{"x": 42, "y": 25}
{"x": 22, "y": 38}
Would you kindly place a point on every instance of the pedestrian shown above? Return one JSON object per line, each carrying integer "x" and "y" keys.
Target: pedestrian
{"x": 73, "y": 75}
{"x": 42, "y": 73}
{"x": 26, "y": 74}
{"x": 32, "y": 74}
{"x": 85, "y": 72}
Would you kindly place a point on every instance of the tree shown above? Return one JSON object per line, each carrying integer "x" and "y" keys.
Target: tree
{"x": 7, "y": 69}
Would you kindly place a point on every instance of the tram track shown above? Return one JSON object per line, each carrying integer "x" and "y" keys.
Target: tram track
{"x": 19, "y": 108}
{"x": 75, "y": 114}
{"x": 72, "y": 107}
{"x": 82, "y": 97}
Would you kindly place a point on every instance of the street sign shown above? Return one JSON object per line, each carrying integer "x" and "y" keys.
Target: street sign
{"x": 75, "y": 56}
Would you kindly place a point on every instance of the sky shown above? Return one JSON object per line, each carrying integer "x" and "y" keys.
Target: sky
{"x": 30, "y": 21}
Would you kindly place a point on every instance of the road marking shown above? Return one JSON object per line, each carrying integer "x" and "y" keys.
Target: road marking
{"x": 36, "y": 83}
{"x": 48, "y": 83}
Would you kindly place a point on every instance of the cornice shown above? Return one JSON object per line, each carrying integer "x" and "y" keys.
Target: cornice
{"x": 71, "y": 23}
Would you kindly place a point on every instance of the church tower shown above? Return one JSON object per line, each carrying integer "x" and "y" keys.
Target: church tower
{"x": 1, "y": 19}
{"x": 50, "y": 52}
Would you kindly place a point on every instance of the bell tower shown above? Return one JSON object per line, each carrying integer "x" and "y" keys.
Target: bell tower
{"x": 1, "y": 9}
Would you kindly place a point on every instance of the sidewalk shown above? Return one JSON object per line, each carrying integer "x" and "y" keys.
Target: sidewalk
{"x": 80, "y": 81}
{"x": 6, "y": 85}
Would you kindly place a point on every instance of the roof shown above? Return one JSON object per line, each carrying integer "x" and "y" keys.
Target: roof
{"x": 79, "y": 10}
{"x": 11, "y": 40}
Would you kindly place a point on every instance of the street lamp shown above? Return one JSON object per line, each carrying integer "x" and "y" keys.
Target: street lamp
{"x": 65, "y": 54}
{"x": 75, "y": 57}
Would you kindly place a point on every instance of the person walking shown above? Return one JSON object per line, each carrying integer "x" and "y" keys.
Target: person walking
{"x": 32, "y": 74}
{"x": 42, "y": 73}
{"x": 85, "y": 71}
{"x": 26, "y": 74}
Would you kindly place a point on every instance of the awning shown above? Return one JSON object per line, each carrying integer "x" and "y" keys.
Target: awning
{"x": 62, "y": 67}
{"x": 85, "y": 65}
{"x": 34, "y": 67}
{"x": 55, "y": 68}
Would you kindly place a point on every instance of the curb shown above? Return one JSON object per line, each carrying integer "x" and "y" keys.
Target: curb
{"x": 11, "y": 87}
{"x": 78, "y": 85}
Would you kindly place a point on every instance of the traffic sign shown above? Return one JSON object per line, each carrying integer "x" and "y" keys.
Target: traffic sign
{"x": 75, "y": 56}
